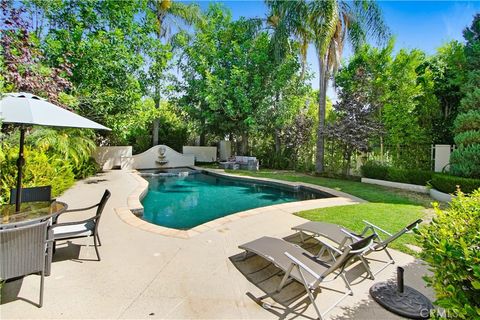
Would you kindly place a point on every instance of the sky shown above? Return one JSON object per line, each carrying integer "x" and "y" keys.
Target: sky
{"x": 424, "y": 25}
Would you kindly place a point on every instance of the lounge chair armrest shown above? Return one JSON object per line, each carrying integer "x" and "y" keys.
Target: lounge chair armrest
{"x": 329, "y": 246}
{"x": 355, "y": 237}
{"x": 377, "y": 228}
{"x": 83, "y": 209}
{"x": 303, "y": 266}
{"x": 71, "y": 223}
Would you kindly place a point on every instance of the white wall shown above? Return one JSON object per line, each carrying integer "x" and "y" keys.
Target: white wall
{"x": 109, "y": 157}
{"x": 202, "y": 154}
{"x": 147, "y": 159}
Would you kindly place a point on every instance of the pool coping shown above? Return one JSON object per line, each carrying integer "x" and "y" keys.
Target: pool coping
{"x": 130, "y": 214}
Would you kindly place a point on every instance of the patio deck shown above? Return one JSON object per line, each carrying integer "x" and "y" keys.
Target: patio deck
{"x": 147, "y": 275}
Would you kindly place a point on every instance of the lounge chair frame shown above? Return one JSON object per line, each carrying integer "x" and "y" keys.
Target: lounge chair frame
{"x": 384, "y": 239}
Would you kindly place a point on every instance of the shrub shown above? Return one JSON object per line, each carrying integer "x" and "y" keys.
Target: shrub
{"x": 374, "y": 170}
{"x": 467, "y": 121}
{"x": 451, "y": 246}
{"x": 467, "y": 138}
{"x": 465, "y": 161}
{"x": 448, "y": 183}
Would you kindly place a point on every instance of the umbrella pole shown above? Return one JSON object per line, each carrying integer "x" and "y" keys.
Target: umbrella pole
{"x": 20, "y": 162}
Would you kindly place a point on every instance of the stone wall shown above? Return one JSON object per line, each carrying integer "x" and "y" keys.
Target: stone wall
{"x": 162, "y": 156}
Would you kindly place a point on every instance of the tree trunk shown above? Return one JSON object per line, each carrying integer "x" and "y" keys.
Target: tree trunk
{"x": 156, "y": 125}
{"x": 244, "y": 145}
{"x": 277, "y": 141}
{"x": 322, "y": 101}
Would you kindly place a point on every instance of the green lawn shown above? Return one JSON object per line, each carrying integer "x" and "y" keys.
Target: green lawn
{"x": 389, "y": 208}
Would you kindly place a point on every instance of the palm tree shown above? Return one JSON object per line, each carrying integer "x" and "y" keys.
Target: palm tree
{"x": 168, "y": 12}
{"x": 328, "y": 25}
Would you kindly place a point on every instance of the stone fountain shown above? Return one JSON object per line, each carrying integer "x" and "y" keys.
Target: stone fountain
{"x": 162, "y": 159}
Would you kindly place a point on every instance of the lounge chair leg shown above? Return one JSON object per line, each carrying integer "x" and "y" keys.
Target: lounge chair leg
{"x": 367, "y": 268}
{"x": 310, "y": 294}
{"x": 96, "y": 249}
{"x": 285, "y": 277}
{"x": 99, "y": 242}
{"x": 347, "y": 284}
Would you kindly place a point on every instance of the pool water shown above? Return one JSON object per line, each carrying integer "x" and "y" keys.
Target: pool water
{"x": 183, "y": 202}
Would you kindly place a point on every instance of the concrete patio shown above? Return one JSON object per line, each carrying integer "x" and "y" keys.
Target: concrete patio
{"x": 148, "y": 275}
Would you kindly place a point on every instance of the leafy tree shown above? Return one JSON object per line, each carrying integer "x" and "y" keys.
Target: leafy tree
{"x": 354, "y": 123}
{"x": 230, "y": 76}
{"x": 465, "y": 161}
{"x": 165, "y": 13}
{"x": 327, "y": 25}
{"x": 447, "y": 67}
{"x": 22, "y": 60}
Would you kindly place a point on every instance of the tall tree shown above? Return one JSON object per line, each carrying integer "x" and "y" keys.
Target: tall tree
{"x": 328, "y": 24}
{"x": 166, "y": 14}
{"x": 465, "y": 161}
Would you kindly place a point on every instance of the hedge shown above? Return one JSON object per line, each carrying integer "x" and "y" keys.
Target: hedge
{"x": 377, "y": 170}
{"x": 448, "y": 184}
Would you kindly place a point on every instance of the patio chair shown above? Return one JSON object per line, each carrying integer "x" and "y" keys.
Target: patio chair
{"x": 32, "y": 194}
{"x": 341, "y": 236}
{"x": 84, "y": 228}
{"x": 23, "y": 252}
{"x": 300, "y": 265}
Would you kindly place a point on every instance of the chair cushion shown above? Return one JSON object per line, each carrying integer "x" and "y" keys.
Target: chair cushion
{"x": 74, "y": 230}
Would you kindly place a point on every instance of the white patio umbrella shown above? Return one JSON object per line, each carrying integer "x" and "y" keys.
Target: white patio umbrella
{"x": 25, "y": 109}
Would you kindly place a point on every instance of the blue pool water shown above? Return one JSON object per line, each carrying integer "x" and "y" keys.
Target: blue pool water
{"x": 188, "y": 201}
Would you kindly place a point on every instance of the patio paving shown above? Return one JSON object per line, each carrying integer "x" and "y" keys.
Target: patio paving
{"x": 148, "y": 275}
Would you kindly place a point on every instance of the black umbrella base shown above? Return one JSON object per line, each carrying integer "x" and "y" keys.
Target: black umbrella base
{"x": 410, "y": 303}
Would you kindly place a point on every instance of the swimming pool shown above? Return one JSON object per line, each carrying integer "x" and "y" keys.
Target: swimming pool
{"x": 183, "y": 202}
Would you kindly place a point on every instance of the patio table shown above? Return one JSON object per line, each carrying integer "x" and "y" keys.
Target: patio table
{"x": 32, "y": 212}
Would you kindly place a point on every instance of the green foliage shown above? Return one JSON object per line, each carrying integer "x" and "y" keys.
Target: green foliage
{"x": 449, "y": 184}
{"x": 468, "y": 138}
{"x": 451, "y": 248}
{"x": 378, "y": 170}
{"x": 39, "y": 170}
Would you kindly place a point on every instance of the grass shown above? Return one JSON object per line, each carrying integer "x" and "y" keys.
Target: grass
{"x": 389, "y": 208}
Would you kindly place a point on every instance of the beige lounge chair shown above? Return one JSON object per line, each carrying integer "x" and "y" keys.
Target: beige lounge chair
{"x": 300, "y": 265}
{"x": 342, "y": 236}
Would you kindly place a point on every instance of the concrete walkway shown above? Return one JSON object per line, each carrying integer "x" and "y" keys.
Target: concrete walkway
{"x": 148, "y": 275}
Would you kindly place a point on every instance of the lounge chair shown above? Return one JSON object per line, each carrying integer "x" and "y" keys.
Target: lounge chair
{"x": 84, "y": 228}
{"x": 302, "y": 266}
{"x": 342, "y": 236}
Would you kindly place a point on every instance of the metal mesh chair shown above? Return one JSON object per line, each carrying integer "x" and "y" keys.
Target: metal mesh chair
{"x": 84, "y": 228}
{"x": 23, "y": 252}
{"x": 32, "y": 194}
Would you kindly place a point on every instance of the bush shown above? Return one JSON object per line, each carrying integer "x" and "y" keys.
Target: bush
{"x": 465, "y": 161}
{"x": 451, "y": 246}
{"x": 448, "y": 183}
{"x": 374, "y": 170}
{"x": 377, "y": 170}
{"x": 467, "y": 138}
{"x": 467, "y": 121}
